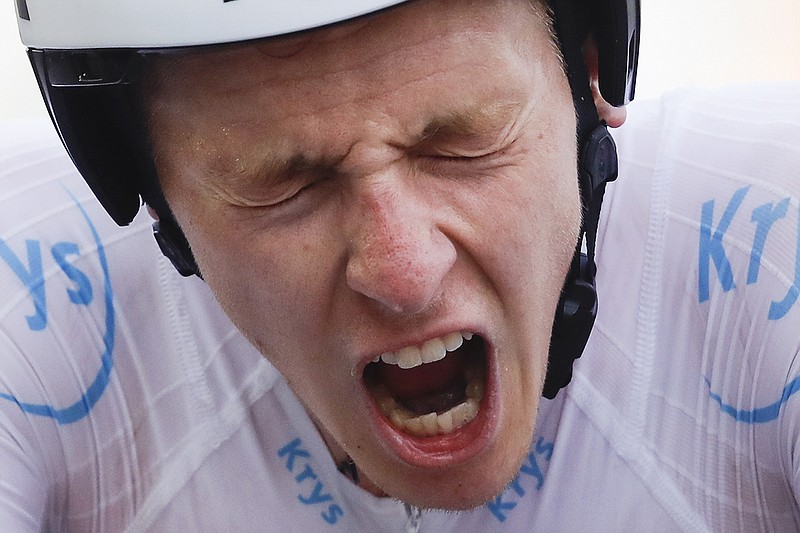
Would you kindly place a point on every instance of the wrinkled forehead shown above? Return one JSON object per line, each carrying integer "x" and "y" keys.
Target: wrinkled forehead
{"x": 393, "y": 34}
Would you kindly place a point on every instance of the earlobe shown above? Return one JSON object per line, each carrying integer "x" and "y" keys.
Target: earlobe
{"x": 613, "y": 116}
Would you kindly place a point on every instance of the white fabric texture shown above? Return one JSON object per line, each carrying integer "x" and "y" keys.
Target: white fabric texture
{"x": 129, "y": 402}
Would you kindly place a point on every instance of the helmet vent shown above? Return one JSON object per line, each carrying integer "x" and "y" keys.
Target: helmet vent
{"x": 22, "y": 10}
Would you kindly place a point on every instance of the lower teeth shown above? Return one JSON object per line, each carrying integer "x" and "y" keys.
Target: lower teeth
{"x": 431, "y": 424}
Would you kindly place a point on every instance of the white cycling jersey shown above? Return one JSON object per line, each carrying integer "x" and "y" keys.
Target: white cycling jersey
{"x": 129, "y": 402}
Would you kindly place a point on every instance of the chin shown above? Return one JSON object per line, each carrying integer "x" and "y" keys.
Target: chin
{"x": 462, "y": 490}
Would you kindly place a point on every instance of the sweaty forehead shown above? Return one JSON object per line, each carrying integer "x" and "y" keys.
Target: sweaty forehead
{"x": 290, "y": 90}
{"x": 362, "y": 40}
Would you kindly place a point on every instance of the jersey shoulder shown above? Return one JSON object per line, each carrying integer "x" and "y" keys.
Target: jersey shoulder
{"x": 705, "y": 223}
{"x": 694, "y": 353}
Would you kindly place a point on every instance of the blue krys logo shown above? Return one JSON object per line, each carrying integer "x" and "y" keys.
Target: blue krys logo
{"x": 299, "y": 462}
{"x": 712, "y": 251}
{"x": 529, "y": 479}
{"x": 81, "y": 293}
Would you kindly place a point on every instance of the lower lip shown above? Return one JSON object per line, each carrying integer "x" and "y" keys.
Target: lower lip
{"x": 449, "y": 450}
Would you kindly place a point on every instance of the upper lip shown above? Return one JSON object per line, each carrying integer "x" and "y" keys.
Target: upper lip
{"x": 368, "y": 356}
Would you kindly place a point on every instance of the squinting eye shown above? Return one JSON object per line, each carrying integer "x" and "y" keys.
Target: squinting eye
{"x": 302, "y": 190}
{"x": 293, "y": 196}
{"x": 464, "y": 158}
{"x": 488, "y": 155}
{"x": 455, "y": 159}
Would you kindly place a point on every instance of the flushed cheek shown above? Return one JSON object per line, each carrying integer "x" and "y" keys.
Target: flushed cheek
{"x": 281, "y": 307}
{"x": 538, "y": 235}
{"x": 275, "y": 289}
{"x": 538, "y": 231}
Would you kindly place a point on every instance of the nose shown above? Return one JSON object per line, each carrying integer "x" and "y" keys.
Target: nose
{"x": 399, "y": 257}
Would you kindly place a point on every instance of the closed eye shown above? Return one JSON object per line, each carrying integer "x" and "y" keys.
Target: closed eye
{"x": 275, "y": 183}
{"x": 466, "y": 160}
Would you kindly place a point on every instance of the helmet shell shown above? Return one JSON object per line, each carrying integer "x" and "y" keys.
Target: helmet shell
{"x": 76, "y": 24}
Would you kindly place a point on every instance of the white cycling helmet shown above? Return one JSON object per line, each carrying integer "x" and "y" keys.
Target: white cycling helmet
{"x": 75, "y": 24}
{"x": 88, "y": 56}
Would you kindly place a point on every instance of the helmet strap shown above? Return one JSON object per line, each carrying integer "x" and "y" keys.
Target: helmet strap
{"x": 597, "y": 165}
{"x": 175, "y": 247}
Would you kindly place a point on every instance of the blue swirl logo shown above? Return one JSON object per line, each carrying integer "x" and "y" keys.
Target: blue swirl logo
{"x": 83, "y": 406}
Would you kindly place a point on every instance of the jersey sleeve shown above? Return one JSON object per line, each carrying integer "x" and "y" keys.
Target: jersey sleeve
{"x": 119, "y": 379}
{"x": 23, "y": 490}
{"x": 24, "y": 483}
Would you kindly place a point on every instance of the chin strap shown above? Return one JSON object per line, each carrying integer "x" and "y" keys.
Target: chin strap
{"x": 168, "y": 234}
{"x": 348, "y": 468}
{"x": 174, "y": 246}
{"x": 597, "y": 165}
{"x": 577, "y": 307}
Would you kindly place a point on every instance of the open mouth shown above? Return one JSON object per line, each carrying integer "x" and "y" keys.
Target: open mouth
{"x": 432, "y": 389}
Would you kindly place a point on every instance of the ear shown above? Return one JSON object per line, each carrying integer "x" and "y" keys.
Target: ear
{"x": 613, "y": 116}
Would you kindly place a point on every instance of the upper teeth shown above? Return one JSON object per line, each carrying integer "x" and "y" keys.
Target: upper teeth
{"x": 430, "y": 351}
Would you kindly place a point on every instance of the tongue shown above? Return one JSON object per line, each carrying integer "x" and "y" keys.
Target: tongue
{"x": 422, "y": 380}
{"x": 439, "y": 401}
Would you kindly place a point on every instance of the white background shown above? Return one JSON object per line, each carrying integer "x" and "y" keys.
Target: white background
{"x": 684, "y": 42}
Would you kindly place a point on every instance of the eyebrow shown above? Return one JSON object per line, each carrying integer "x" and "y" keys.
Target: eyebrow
{"x": 484, "y": 119}
{"x": 273, "y": 166}
{"x": 481, "y": 119}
